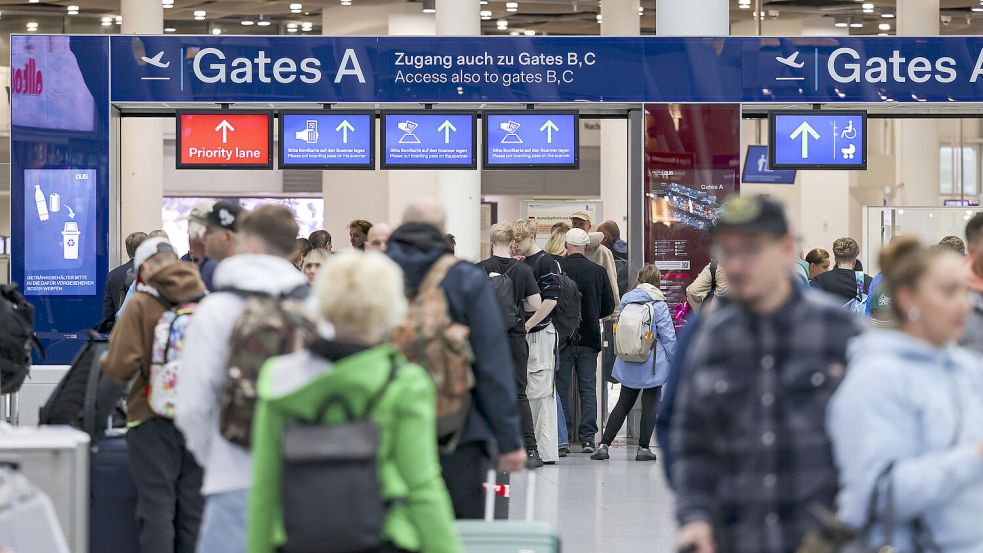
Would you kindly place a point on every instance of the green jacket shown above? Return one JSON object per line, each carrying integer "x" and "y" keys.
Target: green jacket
{"x": 295, "y": 386}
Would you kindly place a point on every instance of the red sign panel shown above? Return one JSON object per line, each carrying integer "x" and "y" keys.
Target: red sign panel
{"x": 229, "y": 140}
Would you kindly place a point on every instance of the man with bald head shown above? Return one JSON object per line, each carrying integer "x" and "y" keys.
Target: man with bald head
{"x": 377, "y": 238}
{"x": 492, "y": 424}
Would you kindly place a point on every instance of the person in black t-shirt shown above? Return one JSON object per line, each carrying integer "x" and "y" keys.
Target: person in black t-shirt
{"x": 841, "y": 281}
{"x": 526, "y": 298}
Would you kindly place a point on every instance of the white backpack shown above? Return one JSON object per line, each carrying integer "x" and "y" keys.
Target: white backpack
{"x": 165, "y": 358}
{"x": 633, "y": 335}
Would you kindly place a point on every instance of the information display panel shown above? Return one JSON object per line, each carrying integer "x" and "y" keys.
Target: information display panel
{"x": 531, "y": 140}
{"x": 327, "y": 140}
{"x": 428, "y": 140}
{"x": 757, "y": 169}
{"x": 224, "y": 140}
{"x": 817, "y": 139}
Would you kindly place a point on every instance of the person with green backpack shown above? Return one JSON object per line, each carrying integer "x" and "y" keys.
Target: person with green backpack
{"x": 645, "y": 344}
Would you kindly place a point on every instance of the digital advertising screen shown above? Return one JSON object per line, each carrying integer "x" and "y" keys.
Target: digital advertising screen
{"x": 327, "y": 140}
{"x": 428, "y": 140}
{"x": 60, "y": 232}
{"x": 757, "y": 169}
{"x": 818, "y": 139}
{"x": 224, "y": 140}
{"x": 531, "y": 140}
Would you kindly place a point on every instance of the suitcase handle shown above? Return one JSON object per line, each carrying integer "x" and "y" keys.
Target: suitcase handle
{"x": 490, "y": 494}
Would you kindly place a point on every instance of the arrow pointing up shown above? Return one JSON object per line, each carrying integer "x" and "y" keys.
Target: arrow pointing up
{"x": 549, "y": 126}
{"x": 447, "y": 127}
{"x": 344, "y": 127}
{"x": 225, "y": 127}
{"x": 805, "y": 130}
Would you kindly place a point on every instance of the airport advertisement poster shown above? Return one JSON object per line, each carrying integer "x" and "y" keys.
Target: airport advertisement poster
{"x": 692, "y": 165}
{"x": 60, "y": 232}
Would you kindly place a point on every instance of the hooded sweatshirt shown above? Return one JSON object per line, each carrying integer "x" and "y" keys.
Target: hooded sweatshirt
{"x": 921, "y": 407}
{"x": 204, "y": 364}
{"x": 653, "y": 371}
{"x": 973, "y": 335}
{"x": 133, "y": 336}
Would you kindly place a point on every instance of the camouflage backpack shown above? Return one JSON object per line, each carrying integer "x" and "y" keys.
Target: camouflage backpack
{"x": 431, "y": 339}
{"x": 268, "y": 326}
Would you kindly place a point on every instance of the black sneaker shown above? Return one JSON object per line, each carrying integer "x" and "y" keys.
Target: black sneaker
{"x": 589, "y": 447}
{"x": 601, "y": 454}
{"x": 645, "y": 454}
{"x": 535, "y": 461}
{"x": 564, "y": 451}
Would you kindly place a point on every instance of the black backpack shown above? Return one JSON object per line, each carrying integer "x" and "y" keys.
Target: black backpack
{"x": 16, "y": 338}
{"x": 566, "y": 316}
{"x": 504, "y": 289}
{"x": 713, "y": 286}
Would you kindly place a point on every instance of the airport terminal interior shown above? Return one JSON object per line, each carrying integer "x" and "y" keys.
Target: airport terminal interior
{"x": 699, "y": 173}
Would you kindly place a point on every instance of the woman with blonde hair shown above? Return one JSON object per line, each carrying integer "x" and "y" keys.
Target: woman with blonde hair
{"x": 387, "y": 472}
{"x": 557, "y": 243}
{"x": 313, "y": 262}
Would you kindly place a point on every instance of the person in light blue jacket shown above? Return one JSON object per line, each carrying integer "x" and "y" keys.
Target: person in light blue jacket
{"x": 647, "y": 377}
{"x": 910, "y": 413}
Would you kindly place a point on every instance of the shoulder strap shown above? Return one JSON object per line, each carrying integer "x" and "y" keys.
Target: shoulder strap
{"x": 377, "y": 397}
{"x": 339, "y": 399}
{"x": 713, "y": 274}
{"x": 511, "y": 267}
{"x": 437, "y": 272}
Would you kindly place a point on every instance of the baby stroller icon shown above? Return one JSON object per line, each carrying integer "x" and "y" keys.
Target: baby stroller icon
{"x": 408, "y": 137}
{"x": 510, "y": 137}
{"x": 849, "y": 152}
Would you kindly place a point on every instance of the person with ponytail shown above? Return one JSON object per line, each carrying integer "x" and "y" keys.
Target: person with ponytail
{"x": 908, "y": 419}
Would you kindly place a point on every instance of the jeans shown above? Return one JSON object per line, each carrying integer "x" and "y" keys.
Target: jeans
{"x": 627, "y": 399}
{"x": 561, "y": 425}
{"x": 520, "y": 357}
{"x": 223, "y": 526}
{"x": 168, "y": 483}
{"x": 583, "y": 362}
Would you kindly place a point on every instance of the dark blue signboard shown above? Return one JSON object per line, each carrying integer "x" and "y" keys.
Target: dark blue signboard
{"x": 535, "y": 139}
{"x": 318, "y": 140}
{"x": 818, "y": 140}
{"x": 428, "y": 140}
{"x": 757, "y": 169}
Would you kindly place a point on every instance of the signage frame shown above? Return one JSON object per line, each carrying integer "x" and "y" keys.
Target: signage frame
{"x": 383, "y": 165}
{"x": 270, "y": 116}
{"x": 747, "y": 160}
{"x": 370, "y": 166}
{"x": 485, "y": 165}
{"x": 772, "y": 160}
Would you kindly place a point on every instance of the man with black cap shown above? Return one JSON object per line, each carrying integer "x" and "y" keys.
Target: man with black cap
{"x": 221, "y": 224}
{"x": 748, "y": 433}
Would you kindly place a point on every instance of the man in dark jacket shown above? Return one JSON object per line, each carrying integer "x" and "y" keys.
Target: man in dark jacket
{"x": 580, "y": 355}
{"x": 748, "y": 428}
{"x": 492, "y": 426}
{"x": 119, "y": 280}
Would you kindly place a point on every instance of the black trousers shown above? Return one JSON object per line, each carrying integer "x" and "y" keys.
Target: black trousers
{"x": 465, "y": 471}
{"x": 627, "y": 399}
{"x": 520, "y": 358}
{"x": 168, "y": 483}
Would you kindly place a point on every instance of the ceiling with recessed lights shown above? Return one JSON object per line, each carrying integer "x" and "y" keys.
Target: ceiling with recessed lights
{"x": 554, "y": 17}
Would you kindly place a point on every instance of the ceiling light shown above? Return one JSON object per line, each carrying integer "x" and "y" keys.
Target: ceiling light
{"x": 883, "y": 34}
{"x": 73, "y": 10}
{"x": 979, "y": 9}
{"x": 503, "y": 23}
{"x": 600, "y": 18}
{"x": 247, "y": 22}
{"x": 641, "y": 11}
{"x": 294, "y": 30}
{"x": 529, "y": 32}
{"x": 169, "y": 29}
{"x": 429, "y": 6}
{"x": 119, "y": 19}
{"x": 841, "y": 22}
{"x": 511, "y": 7}
{"x": 107, "y": 21}
{"x": 263, "y": 22}
{"x": 33, "y": 1}
{"x": 856, "y": 24}
{"x": 514, "y": 33}
{"x": 485, "y": 14}
{"x": 199, "y": 13}
{"x": 887, "y": 15}
{"x": 216, "y": 31}
{"x": 32, "y": 26}
{"x": 291, "y": 25}
{"x": 884, "y": 26}
{"x": 346, "y": 2}
{"x": 167, "y": 4}
{"x": 294, "y": 11}
{"x": 296, "y": 6}
{"x": 307, "y": 27}
{"x": 483, "y": 2}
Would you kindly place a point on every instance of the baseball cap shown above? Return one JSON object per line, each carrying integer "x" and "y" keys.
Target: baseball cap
{"x": 752, "y": 214}
{"x": 149, "y": 248}
{"x": 577, "y": 237}
{"x": 223, "y": 214}
{"x": 584, "y": 215}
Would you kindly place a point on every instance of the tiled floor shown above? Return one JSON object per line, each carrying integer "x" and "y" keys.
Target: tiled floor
{"x": 610, "y": 506}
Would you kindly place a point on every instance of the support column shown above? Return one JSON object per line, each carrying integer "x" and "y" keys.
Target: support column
{"x": 618, "y": 18}
{"x": 460, "y": 191}
{"x": 916, "y": 141}
{"x": 142, "y": 140}
{"x": 692, "y": 17}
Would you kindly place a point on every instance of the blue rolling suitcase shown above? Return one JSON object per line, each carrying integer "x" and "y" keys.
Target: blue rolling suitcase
{"x": 508, "y": 536}
{"x": 112, "y": 498}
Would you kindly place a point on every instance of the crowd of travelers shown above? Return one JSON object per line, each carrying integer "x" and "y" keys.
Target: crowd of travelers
{"x": 803, "y": 406}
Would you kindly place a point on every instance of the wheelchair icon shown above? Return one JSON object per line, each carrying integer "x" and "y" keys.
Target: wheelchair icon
{"x": 849, "y": 132}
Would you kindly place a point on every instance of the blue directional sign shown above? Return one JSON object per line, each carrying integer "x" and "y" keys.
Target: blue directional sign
{"x": 327, "y": 140}
{"x": 530, "y": 140}
{"x": 757, "y": 169}
{"x": 818, "y": 140}
{"x": 428, "y": 140}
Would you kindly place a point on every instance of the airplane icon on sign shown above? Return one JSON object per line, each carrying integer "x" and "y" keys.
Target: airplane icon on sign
{"x": 791, "y": 61}
{"x": 157, "y": 61}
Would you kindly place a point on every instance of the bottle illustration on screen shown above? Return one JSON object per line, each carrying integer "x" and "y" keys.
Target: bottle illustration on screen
{"x": 70, "y": 238}
{"x": 42, "y": 202}
{"x": 55, "y": 202}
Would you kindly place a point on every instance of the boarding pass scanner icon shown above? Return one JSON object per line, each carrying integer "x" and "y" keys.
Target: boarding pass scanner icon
{"x": 309, "y": 134}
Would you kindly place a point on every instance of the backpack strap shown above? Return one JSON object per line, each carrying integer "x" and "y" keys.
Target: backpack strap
{"x": 713, "y": 275}
{"x": 438, "y": 271}
{"x": 340, "y": 399}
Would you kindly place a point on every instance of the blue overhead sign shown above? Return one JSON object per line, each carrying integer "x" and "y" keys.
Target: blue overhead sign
{"x": 542, "y": 69}
{"x": 428, "y": 140}
{"x": 532, "y": 139}
{"x": 327, "y": 140}
{"x": 757, "y": 168}
{"x": 818, "y": 140}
